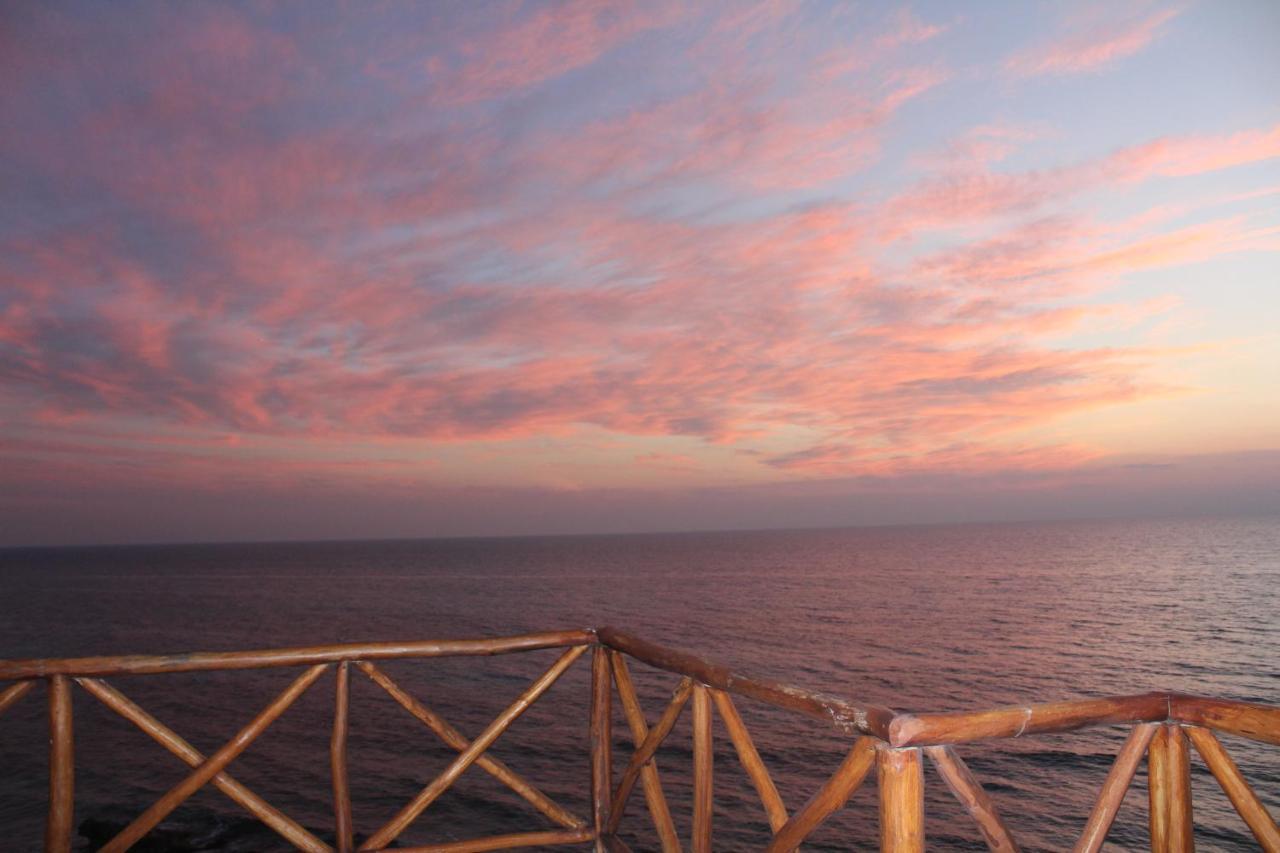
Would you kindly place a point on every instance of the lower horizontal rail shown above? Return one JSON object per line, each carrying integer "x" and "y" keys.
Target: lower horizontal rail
{"x": 505, "y": 842}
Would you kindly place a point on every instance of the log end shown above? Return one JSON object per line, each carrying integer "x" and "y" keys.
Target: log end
{"x": 903, "y": 729}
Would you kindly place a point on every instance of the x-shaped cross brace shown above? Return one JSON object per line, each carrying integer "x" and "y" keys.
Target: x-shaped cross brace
{"x": 208, "y": 769}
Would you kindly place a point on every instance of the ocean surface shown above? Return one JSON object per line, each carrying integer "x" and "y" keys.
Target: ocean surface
{"x": 916, "y": 618}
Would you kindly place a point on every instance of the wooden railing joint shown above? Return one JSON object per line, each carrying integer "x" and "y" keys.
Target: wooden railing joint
{"x": 1165, "y": 728}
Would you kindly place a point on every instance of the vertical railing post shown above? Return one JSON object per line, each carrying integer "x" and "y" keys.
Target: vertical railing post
{"x": 601, "y": 743}
{"x": 1169, "y": 789}
{"x": 702, "y": 770}
{"x": 57, "y": 835}
{"x": 338, "y": 761}
{"x": 1181, "y": 828}
{"x": 900, "y": 775}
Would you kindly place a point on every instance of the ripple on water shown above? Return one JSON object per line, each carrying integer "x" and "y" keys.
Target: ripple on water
{"x": 927, "y": 618}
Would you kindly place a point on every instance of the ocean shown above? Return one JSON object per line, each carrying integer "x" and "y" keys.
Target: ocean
{"x": 925, "y": 618}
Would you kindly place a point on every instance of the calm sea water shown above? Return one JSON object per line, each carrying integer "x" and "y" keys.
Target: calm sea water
{"x": 927, "y": 618}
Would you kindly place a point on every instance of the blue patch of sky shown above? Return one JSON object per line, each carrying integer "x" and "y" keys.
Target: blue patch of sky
{"x": 35, "y": 204}
{"x": 1176, "y": 85}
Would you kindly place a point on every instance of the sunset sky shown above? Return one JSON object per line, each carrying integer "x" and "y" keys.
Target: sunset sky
{"x": 300, "y": 271}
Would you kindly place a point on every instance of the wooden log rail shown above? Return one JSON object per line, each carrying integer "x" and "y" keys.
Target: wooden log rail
{"x": 1166, "y": 728}
{"x": 62, "y": 674}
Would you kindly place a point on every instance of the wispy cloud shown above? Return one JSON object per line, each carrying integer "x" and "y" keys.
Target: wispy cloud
{"x": 364, "y": 251}
{"x": 1093, "y": 44}
{"x": 523, "y": 51}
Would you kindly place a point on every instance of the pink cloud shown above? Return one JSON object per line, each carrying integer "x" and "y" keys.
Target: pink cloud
{"x": 968, "y": 191}
{"x": 1182, "y": 156}
{"x": 541, "y": 45}
{"x": 350, "y": 283}
{"x": 905, "y": 29}
{"x": 833, "y": 461}
{"x": 1091, "y": 47}
{"x": 736, "y": 135}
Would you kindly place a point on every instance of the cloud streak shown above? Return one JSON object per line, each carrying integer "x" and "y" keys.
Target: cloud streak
{"x": 461, "y": 247}
{"x": 1089, "y": 46}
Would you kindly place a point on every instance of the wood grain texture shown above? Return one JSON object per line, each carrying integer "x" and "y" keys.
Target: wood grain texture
{"x": 970, "y": 793}
{"x": 901, "y": 779}
{"x": 305, "y": 655}
{"x": 1111, "y": 797}
{"x": 506, "y": 842}
{"x": 832, "y": 795}
{"x": 703, "y": 758}
{"x": 342, "y": 824}
{"x": 601, "y": 732}
{"x": 774, "y": 810}
{"x": 844, "y": 716}
{"x": 1169, "y": 791}
{"x": 1181, "y": 828}
{"x": 1246, "y": 802}
{"x": 966, "y": 726}
{"x": 1256, "y": 722}
{"x": 61, "y": 817}
{"x": 652, "y": 782}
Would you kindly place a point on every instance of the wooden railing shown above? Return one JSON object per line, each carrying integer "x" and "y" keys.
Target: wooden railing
{"x": 1164, "y": 727}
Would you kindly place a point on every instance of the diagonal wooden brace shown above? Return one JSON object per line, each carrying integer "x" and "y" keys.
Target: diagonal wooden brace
{"x": 14, "y": 692}
{"x": 172, "y": 741}
{"x": 1113, "y": 789}
{"x": 644, "y": 752}
{"x": 831, "y": 796}
{"x": 459, "y": 742}
{"x": 969, "y": 792}
{"x": 750, "y": 759}
{"x": 441, "y": 783}
{"x": 147, "y": 821}
{"x": 1246, "y": 802}
{"x": 654, "y": 796}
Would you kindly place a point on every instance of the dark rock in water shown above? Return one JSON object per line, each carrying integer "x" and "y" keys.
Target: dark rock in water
{"x": 195, "y": 832}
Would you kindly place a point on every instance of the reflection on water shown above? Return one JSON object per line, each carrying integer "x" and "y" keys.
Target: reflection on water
{"x": 930, "y": 618}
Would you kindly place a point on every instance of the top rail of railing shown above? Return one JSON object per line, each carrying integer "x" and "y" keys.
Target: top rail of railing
{"x": 12, "y": 670}
{"x": 1254, "y": 721}
{"x": 1250, "y": 720}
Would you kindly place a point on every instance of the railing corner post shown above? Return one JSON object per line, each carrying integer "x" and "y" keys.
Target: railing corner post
{"x": 900, "y": 775}
{"x": 57, "y": 834}
{"x": 344, "y": 842}
{"x": 703, "y": 759}
{"x": 601, "y": 743}
{"x": 1169, "y": 790}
